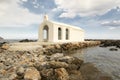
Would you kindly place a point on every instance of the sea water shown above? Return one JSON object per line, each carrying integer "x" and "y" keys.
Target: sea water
{"x": 105, "y": 60}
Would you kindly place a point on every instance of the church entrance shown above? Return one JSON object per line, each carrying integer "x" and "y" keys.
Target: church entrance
{"x": 45, "y": 33}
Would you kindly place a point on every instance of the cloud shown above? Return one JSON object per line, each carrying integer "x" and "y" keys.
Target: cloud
{"x": 111, "y": 28}
{"x": 36, "y": 6}
{"x": 72, "y": 8}
{"x": 115, "y": 23}
{"x": 13, "y": 14}
{"x": 24, "y": 0}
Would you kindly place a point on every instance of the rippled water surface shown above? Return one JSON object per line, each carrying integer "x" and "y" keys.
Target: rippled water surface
{"x": 105, "y": 60}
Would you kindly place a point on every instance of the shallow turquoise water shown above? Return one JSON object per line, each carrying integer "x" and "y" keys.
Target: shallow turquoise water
{"x": 105, "y": 60}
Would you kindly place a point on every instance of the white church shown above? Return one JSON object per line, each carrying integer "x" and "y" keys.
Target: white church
{"x": 50, "y": 31}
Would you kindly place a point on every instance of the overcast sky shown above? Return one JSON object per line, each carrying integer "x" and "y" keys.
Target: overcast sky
{"x": 20, "y": 19}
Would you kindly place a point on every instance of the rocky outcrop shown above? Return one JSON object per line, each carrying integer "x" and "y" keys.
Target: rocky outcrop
{"x": 109, "y": 43}
{"x": 25, "y": 65}
{"x": 27, "y": 40}
{"x": 48, "y": 63}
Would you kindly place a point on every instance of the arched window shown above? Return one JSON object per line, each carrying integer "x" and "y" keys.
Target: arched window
{"x": 45, "y": 33}
{"x": 67, "y": 34}
{"x": 59, "y": 34}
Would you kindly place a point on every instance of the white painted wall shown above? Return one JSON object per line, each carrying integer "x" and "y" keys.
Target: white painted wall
{"x": 50, "y": 31}
{"x": 75, "y": 34}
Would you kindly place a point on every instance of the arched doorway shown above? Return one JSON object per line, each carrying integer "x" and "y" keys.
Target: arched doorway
{"x": 45, "y": 33}
{"x": 59, "y": 34}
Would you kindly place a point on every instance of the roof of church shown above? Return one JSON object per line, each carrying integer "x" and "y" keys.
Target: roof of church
{"x": 67, "y": 25}
{"x": 71, "y": 26}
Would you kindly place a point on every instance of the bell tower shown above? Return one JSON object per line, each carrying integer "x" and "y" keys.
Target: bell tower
{"x": 45, "y": 17}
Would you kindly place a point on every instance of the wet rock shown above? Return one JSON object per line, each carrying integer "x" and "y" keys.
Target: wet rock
{"x": 77, "y": 61}
{"x": 75, "y": 75}
{"x": 89, "y": 72}
{"x": 32, "y": 74}
{"x": 105, "y": 78}
{"x": 61, "y": 74}
{"x": 113, "y": 49}
{"x": 72, "y": 67}
{"x": 118, "y": 46}
{"x": 55, "y": 64}
{"x": 108, "y": 43}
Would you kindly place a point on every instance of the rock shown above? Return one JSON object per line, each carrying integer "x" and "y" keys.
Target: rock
{"x": 113, "y": 49}
{"x": 77, "y": 61}
{"x": 74, "y": 63}
{"x": 72, "y": 67}
{"x": 42, "y": 65}
{"x": 27, "y": 40}
{"x": 2, "y": 43}
{"x": 5, "y": 46}
{"x": 56, "y": 56}
{"x": 66, "y": 59}
{"x": 13, "y": 76}
{"x": 20, "y": 71}
{"x": 57, "y": 46}
{"x": 55, "y": 64}
{"x": 75, "y": 75}
{"x": 118, "y": 46}
{"x": 48, "y": 74}
{"x": 106, "y": 43}
{"x": 32, "y": 74}
{"x": 89, "y": 72}
{"x": 61, "y": 74}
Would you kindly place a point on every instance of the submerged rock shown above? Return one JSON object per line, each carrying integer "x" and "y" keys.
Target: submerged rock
{"x": 113, "y": 49}
{"x": 90, "y": 72}
{"x": 75, "y": 75}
